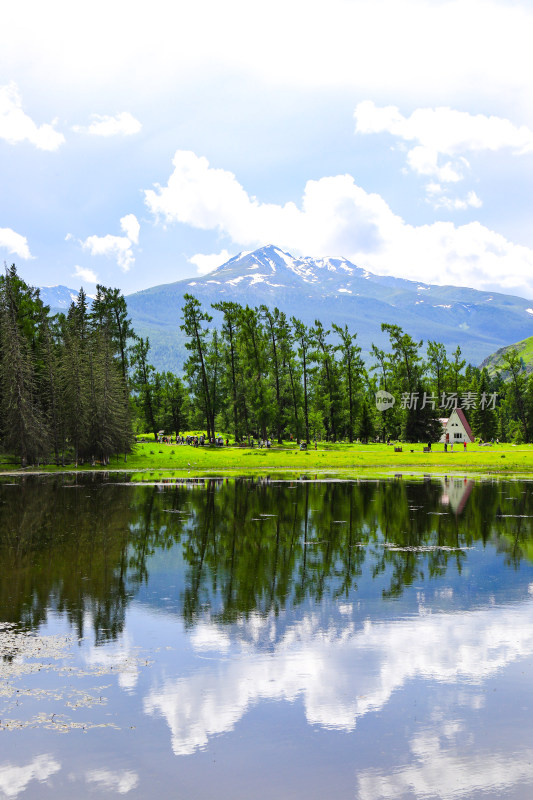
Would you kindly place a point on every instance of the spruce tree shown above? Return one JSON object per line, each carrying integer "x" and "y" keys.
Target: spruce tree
{"x": 24, "y": 426}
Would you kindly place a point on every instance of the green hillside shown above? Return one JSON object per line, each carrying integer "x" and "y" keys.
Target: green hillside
{"x": 494, "y": 362}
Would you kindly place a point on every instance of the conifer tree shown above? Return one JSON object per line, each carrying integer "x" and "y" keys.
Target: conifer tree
{"x": 193, "y": 317}
{"x": 302, "y": 337}
{"x": 143, "y": 381}
{"x": 272, "y": 319}
{"x": 517, "y": 393}
{"x": 252, "y": 346}
{"x": 483, "y": 417}
{"x": 233, "y": 377}
{"x": 24, "y": 428}
{"x": 326, "y": 383}
{"x": 352, "y": 370}
{"x": 74, "y": 375}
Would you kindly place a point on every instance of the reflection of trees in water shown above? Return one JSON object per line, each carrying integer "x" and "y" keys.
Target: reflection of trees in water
{"x": 62, "y": 549}
{"x": 248, "y": 546}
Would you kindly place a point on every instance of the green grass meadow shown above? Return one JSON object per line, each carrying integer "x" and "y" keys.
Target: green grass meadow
{"x": 341, "y": 459}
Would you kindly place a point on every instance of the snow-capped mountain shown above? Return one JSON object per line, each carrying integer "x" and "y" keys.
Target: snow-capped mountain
{"x": 332, "y": 290}
{"x": 335, "y": 290}
{"x": 58, "y": 297}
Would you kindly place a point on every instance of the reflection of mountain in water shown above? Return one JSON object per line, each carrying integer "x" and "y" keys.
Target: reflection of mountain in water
{"x": 235, "y": 549}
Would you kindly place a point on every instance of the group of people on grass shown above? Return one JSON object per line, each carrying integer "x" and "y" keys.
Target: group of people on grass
{"x": 194, "y": 441}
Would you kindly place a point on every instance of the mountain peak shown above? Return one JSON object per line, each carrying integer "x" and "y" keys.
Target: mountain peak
{"x": 270, "y": 262}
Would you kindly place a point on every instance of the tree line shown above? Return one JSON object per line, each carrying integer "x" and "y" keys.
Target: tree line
{"x": 64, "y": 385}
{"x": 78, "y": 386}
{"x": 259, "y": 373}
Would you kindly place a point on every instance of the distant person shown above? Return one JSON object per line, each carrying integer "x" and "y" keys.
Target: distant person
{"x": 429, "y": 447}
{"x": 464, "y": 446}
{"x": 445, "y": 447}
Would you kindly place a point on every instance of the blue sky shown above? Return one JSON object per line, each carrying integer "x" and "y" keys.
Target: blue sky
{"x": 141, "y": 145}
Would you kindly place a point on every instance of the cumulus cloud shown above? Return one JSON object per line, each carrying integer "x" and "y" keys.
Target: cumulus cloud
{"x": 130, "y": 226}
{"x": 85, "y": 274}
{"x": 336, "y": 217}
{"x": 455, "y": 203}
{"x": 122, "y": 124}
{"x": 14, "y": 243}
{"x": 16, "y": 126}
{"x": 206, "y": 263}
{"x": 441, "y": 137}
{"x": 444, "y": 131}
{"x": 118, "y": 247}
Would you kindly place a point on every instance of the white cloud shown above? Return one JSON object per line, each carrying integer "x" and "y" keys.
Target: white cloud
{"x": 14, "y": 243}
{"x": 122, "y": 781}
{"x": 130, "y": 225}
{"x": 119, "y": 247}
{"x": 455, "y": 203}
{"x": 338, "y": 218}
{"x": 122, "y": 124}
{"x": 14, "y": 780}
{"x": 205, "y": 263}
{"x": 16, "y": 126}
{"x": 444, "y": 132}
{"x": 482, "y": 46}
{"x": 85, "y": 274}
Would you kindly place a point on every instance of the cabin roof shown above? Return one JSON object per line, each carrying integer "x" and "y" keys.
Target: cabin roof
{"x": 461, "y": 414}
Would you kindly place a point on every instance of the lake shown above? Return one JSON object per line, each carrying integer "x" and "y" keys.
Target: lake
{"x": 256, "y": 638}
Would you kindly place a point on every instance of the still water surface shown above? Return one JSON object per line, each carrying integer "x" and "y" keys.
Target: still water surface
{"x": 261, "y": 639}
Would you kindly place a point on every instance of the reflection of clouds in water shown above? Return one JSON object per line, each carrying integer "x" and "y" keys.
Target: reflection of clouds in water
{"x": 120, "y": 657}
{"x": 14, "y": 780}
{"x": 341, "y": 674}
{"x": 122, "y": 781}
{"x": 210, "y": 637}
{"x": 443, "y": 770}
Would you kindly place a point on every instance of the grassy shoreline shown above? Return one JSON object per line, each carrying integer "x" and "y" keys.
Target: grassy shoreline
{"x": 331, "y": 459}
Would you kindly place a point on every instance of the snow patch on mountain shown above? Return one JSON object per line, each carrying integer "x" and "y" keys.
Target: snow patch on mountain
{"x": 60, "y": 297}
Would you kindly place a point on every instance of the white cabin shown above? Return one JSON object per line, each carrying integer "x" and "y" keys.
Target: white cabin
{"x": 456, "y": 429}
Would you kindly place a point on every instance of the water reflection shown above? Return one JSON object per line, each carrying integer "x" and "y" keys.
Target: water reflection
{"x": 15, "y": 779}
{"x": 365, "y": 609}
{"x": 340, "y": 672}
{"x": 87, "y": 550}
{"x": 440, "y": 760}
